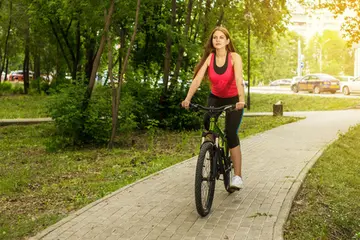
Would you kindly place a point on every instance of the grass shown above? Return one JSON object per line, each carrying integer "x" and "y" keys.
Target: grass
{"x": 21, "y": 106}
{"x": 264, "y": 102}
{"x": 327, "y": 205}
{"x": 38, "y": 188}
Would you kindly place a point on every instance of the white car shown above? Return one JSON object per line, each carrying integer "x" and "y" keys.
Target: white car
{"x": 350, "y": 86}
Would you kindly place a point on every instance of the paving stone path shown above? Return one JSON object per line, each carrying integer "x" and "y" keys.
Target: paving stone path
{"x": 162, "y": 206}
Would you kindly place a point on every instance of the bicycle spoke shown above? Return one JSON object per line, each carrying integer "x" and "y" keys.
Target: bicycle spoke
{"x": 204, "y": 182}
{"x": 206, "y": 179}
{"x": 204, "y": 193}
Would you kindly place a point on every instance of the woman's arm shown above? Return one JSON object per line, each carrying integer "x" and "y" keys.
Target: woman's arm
{"x": 196, "y": 83}
{"x": 239, "y": 80}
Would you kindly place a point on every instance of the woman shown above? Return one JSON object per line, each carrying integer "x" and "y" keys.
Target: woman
{"x": 224, "y": 68}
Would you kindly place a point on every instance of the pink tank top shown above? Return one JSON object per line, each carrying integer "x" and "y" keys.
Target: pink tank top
{"x": 222, "y": 84}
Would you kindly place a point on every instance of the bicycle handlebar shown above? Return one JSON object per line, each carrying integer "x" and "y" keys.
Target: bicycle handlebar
{"x": 213, "y": 109}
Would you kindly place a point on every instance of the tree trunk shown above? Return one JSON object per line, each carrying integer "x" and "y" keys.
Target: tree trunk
{"x": 194, "y": 28}
{"x": 60, "y": 45}
{"x": 167, "y": 62}
{"x": 7, "y": 40}
{"x": 27, "y": 58}
{"x": 69, "y": 47}
{"x": 117, "y": 103}
{"x": 221, "y": 17}
{"x": 181, "y": 47}
{"x": 77, "y": 65}
{"x": 90, "y": 53}
{"x": 206, "y": 21}
{"x": 121, "y": 49}
{"x": 6, "y": 68}
{"x": 113, "y": 87}
{"x": 37, "y": 69}
{"x": 98, "y": 56}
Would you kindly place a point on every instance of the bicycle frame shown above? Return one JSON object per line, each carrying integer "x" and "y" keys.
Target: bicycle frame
{"x": 220, "y": 147}
{"x": 217, "y": 130}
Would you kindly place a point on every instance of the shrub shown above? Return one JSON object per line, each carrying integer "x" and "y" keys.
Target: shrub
{"x": 39, "y": 86}
{"x": 75, "y": 127}
{"x": 7, "y": 88}
{"x": 147, "y": 105}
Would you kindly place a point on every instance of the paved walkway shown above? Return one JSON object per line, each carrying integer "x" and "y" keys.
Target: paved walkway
{"x": 162, "y": 205}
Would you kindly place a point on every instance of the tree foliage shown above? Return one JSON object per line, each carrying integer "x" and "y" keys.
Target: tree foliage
{"x": 329, "y": 53}
{"x": 65, "y": 35}
{"x": 352, "y": 22}
{"x": 351, "y": 9}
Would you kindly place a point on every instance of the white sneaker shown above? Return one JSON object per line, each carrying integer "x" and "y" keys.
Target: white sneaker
{"x": 236, "y": 182}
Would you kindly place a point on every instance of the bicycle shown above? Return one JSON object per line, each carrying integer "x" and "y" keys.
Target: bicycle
{"x": 213, "y": 160}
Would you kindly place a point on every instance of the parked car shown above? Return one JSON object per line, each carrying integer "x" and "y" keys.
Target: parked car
{"x": 296, "y": 79}
{"x": 18, "y": 75}
{"x": 345, "y": 78}
{"x": 350, "y": 86}
{"x": 281, "y": 82}
{"x": 2, "y": 77}
{"x": 316, "y": 83}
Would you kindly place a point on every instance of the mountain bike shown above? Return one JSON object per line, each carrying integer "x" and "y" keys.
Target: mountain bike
{"x": 213, "y": 160}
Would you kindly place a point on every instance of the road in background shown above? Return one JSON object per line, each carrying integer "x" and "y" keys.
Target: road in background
{"x": 286, "y": 90}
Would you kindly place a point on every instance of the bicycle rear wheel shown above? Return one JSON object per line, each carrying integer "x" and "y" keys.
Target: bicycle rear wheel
{"x": 204, "y": 180}
{"x": 227, "y": 174}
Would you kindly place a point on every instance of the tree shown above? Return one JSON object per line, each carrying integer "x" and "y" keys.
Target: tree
{"x": 5, "y": 58}
{"x": 118, "y": 93}
{"x": 329, "y": 53}
{"x": 351, "y": 25}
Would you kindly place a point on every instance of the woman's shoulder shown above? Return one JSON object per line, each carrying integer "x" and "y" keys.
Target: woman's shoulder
{"x": 208, "y": 59}
{"x": 235, "y": 55}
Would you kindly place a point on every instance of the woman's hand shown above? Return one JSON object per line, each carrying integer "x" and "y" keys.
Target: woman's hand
{"x": 185, "y": 104}
{"x": 240, "y": 105}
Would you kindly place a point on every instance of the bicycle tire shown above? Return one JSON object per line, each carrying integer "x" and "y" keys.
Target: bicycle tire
{"x": 227, "y": 174}
{"x": 203, "y": 205}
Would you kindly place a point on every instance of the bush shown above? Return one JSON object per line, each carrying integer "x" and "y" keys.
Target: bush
{"x": 140, "y": 107}
{"x": 40, "y": 86}
{"x": 147, "y": 105}
{"x": 75, "y": 127}
{"x": 98, "y": 122}
{"x": 7, "y": 88}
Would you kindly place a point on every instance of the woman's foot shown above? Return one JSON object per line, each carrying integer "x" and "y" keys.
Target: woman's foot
{"x": 236, "y": 182}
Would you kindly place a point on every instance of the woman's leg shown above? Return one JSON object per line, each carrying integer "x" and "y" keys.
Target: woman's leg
{"x": 233, "y": 121}
{"x": 236, "y": 159}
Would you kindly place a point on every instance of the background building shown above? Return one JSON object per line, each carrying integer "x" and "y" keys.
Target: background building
{"x": 308, "y": 23}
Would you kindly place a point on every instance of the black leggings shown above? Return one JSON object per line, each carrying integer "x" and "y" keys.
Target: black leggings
{"x": 232, "y": 119}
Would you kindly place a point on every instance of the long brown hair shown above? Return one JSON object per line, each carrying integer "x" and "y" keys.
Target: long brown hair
{"x": 209, "y": 48}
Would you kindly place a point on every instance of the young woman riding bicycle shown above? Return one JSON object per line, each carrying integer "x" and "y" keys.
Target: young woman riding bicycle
{"x": 224, "y": 70}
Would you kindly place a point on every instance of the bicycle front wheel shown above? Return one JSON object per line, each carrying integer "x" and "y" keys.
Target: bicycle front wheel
{"x": 204, "y": 180}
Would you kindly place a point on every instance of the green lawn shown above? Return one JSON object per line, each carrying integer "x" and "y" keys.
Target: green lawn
{"x": 38, "y": 188}
{"x": 327, "y": 205}
{"x": 21, "y": 106}
{"x": 264, "y": 102}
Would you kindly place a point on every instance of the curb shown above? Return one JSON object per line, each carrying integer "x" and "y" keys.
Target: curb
{"x": 278, "y": 233}
{"x": 73, "y": 215}
{"x": 24, "y": 121}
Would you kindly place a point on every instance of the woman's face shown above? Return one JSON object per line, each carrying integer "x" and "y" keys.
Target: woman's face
{"x": 219, "y": 40}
